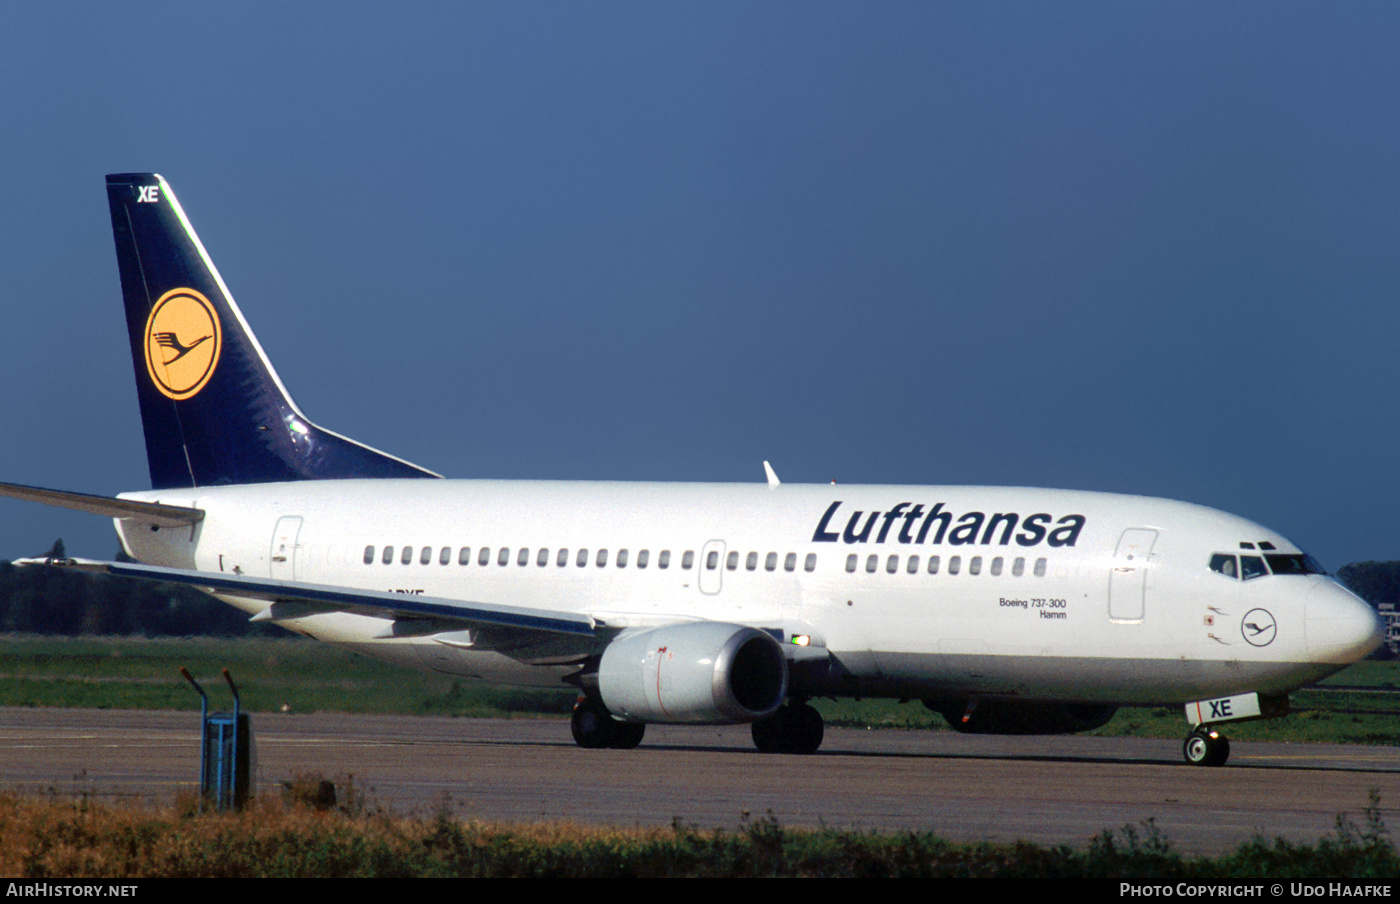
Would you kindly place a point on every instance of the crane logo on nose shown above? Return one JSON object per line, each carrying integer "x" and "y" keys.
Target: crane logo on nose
{"x": 183, "y": 341}
{"x": 1258, "y": 627}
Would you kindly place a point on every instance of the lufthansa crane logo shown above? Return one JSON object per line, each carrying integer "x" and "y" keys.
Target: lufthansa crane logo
{"x": 1258, "y": 627}
{"x": 183, "y": 341}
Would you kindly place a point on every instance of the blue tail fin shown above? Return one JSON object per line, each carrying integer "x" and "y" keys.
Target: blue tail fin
{"x": 213, "y": 408}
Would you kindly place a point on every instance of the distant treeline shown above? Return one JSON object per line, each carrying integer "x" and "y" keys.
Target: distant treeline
{"x": 40, "y": 600}
{"x": 37, "y": 600}
{"x": 1374, "y": 582}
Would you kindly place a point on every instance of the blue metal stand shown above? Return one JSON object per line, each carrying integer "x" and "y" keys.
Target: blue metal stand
{"x": 225, "y": 752}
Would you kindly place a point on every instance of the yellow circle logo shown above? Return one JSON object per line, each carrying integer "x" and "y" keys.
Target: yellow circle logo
{"x": 182, "y": 343}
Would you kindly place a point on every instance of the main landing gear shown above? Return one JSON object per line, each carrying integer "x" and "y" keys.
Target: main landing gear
{"x": 1206, "y": 747}
{"x": 794, "y": 728}
{"x": 595, "y": 728}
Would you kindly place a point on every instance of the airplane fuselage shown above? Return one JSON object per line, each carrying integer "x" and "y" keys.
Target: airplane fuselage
{"x": 915, "y": 591}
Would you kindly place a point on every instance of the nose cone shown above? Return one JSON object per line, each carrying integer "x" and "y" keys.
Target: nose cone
{"x": 1341, "y": 627}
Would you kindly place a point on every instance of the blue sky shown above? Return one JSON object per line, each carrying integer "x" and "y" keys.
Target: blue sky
{"x": 1145, "y": 248}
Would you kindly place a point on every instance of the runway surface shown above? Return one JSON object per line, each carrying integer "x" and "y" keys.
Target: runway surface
{"x": 1049, "y": 790}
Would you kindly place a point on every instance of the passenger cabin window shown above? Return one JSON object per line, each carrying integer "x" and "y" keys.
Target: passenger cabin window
{"x": 563, "y": 559}
{"x": 622, "y": 558}
{"x": 485, "y": 557}
{"x": 811, "y": 563}
{"x": 1018, "y": 567}
{"x": 996, "y": 565}
{"x": 770, "y": 562}
{"x": 751, "y": 561}
{"x": 425, "y": 557}
{"x": 790, "y": 562}
{"x": 663, "y": 559}
{"x": 642, "y": 557}
{"x": 933, "y": 564}
{"x": 975, "y": 566}
{"x": 872, "y": 563}
{"x": 542, "y": 559}
{"x": 851, "y": 562}
{"x": 388, "y": 557}
{"x": 731, "y": 561}
{"x": 602, "y": 558}
{"x": 503, "y": 558}
{"x": 1040, "y": 568}
{"x": 369, "y": 555}
{"x": 407, "y": 556}
{"x": 954, "y": 564}
{"x": 464, "y": 555}
{"x": 687, "y": 560}
{"x": 582, "y": 560}
{"x": 445, "y": 557}
{"x": 913, "y": 566}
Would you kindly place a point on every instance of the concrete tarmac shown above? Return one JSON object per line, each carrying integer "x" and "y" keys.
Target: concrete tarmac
{"x": 1049, "y": 790}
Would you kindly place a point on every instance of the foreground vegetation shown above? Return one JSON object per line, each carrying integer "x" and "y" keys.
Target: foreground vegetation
{"x": 42, "y": 838}
{"x": 290, "y": 674}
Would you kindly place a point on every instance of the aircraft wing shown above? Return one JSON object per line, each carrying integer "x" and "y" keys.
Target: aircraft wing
{"x": 533, "y": 636}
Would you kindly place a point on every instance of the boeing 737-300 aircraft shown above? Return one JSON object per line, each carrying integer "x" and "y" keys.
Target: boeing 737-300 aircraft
{"x": 1007, "y": 610}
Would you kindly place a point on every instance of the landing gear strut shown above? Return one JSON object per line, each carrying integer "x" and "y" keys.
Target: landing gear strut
{"x": 794, "y": 728}
{"x": 1206, "y": 747}
{"x": 595, "y": 728}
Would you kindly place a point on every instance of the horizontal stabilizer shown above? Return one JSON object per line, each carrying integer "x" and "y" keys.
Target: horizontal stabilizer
{"x": 148, "y": 512}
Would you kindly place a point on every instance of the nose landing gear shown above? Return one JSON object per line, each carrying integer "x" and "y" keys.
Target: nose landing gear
{"x": 1206, "y": 747}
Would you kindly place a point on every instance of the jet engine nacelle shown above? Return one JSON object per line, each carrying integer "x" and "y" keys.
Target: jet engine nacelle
{"x": 693, "y": 672}
{"x": 1015, "y": 717}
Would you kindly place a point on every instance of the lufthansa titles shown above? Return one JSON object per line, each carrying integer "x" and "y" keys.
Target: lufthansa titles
{"x": 916, "y": 523}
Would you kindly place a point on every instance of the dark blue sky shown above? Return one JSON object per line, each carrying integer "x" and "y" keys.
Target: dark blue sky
{"x": 1143, "y": 247}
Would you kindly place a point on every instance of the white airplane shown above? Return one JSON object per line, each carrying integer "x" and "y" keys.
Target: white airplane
{"x": 1007, "y": 610}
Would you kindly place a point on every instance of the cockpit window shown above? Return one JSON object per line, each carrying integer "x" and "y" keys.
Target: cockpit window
{"x": 1252, "y": 567}
{"x": 1300, "y": 563}
{"x": 1225, "y": 565}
